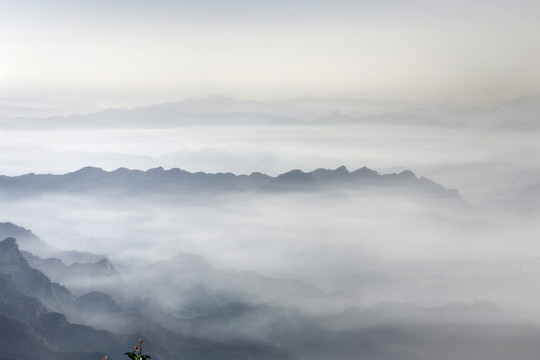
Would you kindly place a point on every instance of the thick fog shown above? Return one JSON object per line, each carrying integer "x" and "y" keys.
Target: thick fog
{"x": 286, "y": 268}
{"x": 371, "y": 247}
{"x": 481, "y": 152}
{"x": 315, "y": 264}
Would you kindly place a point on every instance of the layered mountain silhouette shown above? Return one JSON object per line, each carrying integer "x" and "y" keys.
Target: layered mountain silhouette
{"x": 32, "y": 316}
{"x": 29, "y": 242}
{"x": 80, "y": 277}
{"x": 35, "y": 322}
{"x": 219, "y": 111}
{"x": 180, "y": 182}
{"x": 219, "y": 318}
{"x": 30, "y": 281}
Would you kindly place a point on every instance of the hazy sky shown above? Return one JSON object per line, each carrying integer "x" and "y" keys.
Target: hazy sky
{"x": 81, "y": 55}
{"x": 122, "y": 52}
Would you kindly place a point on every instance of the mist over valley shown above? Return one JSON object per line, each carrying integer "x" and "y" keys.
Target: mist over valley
{"x": 269, "y": 180}
{"x": 356, "y": 262}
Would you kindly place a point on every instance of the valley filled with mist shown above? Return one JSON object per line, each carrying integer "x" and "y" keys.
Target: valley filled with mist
{"x": 277, "y": 232}
{"x": 269, "y": 180}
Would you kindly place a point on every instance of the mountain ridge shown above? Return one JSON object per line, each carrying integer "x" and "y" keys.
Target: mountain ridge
{"x": 29, "y": 242}
{"x": 307, "y": 111}
{"x": 175, "y": 180}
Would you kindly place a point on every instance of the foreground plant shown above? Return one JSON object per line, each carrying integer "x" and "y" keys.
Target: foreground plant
{"x": 137, "y": 354}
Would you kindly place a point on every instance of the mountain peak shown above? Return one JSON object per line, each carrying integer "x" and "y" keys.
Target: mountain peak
{"x": 365, "y": 172}
{"x": 407, "y": 174}
{"x": 8, "y": 243}
{"x": 26, "y": 239}
{"x": 192, "y": 261}
{"x": 295, "y": 176}
{"x": 88, "y": 171}
{"x": 11, "y": 227}
{"x": 10, "y": 250}
{"x": 30, "y": 281}
{"x": 159, "y": 169}
{"x": 11, "y": 259}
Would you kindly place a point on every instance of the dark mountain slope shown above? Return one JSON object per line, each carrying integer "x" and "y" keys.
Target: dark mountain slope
{"x": 30, "y": 281}
{"x": 30, "y": 330}
{"x": 29, "y": 242}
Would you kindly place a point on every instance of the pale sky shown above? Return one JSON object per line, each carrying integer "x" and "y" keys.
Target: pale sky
{"x": 140, "y": 51}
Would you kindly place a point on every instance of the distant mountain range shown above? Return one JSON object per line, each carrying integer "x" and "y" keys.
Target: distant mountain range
{"x": 222, "y": 111}
{"x": 180, "y": 182}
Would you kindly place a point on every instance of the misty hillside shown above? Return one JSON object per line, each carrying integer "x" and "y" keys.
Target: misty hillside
{"x": 36, "y": 314}
{"x": 267, "y": 180}
{"x": 178, "y": 182}
{"x": 207, "y": 320}
{"x": 33, "y": 244}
